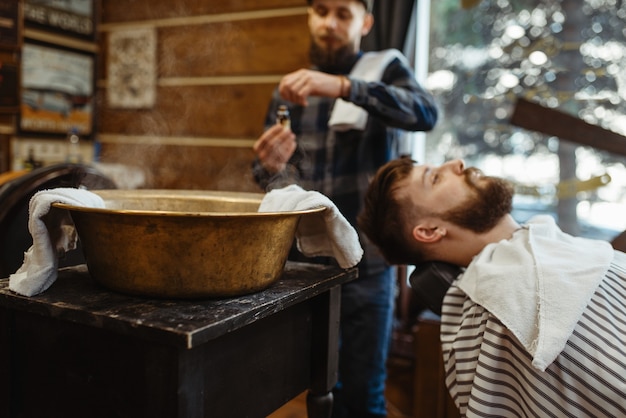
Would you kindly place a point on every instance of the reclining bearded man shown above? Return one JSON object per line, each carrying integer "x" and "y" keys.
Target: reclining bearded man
{"x": 535, "y": 325}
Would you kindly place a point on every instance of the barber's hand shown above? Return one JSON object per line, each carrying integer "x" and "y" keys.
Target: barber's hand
{"x": 299, "y": 85}
{"x": 275, "y": 147}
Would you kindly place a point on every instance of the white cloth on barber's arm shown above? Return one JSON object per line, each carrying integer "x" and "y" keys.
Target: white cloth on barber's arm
{"x": 538, "y": 283}
{"x": 370, "y": 67}
{"x": 325, "y": 233}
{"x": 53, "y": 234}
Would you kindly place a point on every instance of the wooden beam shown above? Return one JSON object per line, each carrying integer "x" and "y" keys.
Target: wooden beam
{"x": 176, "y": 140}
{"x": 535, "y": 117}
{"x": 60, "y": 40}
{"x": 185, "y": 21}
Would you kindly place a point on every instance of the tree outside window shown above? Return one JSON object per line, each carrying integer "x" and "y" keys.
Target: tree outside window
{"x": 566, "y": 55}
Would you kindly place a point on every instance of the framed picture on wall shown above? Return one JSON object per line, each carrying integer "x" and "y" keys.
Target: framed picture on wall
{"x": 66, "y": 17}
{"x": 131, "y": 68}
{"x": 57, "y": 92}
{"x": 10, "y": 24}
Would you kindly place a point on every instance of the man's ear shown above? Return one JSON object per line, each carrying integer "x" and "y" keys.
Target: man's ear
{"x": 428, "y": 233}
{"x": 368, "y": 22}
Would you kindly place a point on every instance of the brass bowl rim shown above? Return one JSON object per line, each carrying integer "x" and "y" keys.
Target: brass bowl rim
{"x": 169, "y": 213}
{"x": 189, "y": 195}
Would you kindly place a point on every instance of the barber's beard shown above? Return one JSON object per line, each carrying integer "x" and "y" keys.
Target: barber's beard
{"x": 491, "y": 200}
{"x": 331, "y": 61}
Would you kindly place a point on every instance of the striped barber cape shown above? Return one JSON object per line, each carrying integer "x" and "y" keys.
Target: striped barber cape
{"x": 489, "y": 373}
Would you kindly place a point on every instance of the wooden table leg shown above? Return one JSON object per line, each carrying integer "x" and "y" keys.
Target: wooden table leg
{"x": 6, "y": 370}
{"x": 324, "y": 353}
{"x": 319, "y": 406}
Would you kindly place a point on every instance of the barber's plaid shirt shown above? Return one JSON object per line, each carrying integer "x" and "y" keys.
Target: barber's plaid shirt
{"x": 340, "y": 164}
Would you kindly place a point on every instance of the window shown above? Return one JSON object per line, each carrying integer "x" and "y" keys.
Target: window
{"x": 565, "y": 55}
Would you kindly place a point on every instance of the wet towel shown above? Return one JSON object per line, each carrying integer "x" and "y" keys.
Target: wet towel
{"x": 325, "y": 233}
{"x": 370, "y": 67}
{"x": 538, "y": 283}
{"x": 53, "y": 234}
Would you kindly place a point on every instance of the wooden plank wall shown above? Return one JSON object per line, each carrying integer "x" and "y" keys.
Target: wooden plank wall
{"x": 218, "y": 62}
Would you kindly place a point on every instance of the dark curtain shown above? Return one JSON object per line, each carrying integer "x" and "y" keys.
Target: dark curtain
{"x": 392, "y": 19}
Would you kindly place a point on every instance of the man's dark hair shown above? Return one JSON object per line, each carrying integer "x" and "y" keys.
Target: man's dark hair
{"x": 386, "y": 215}
{"x": 369, "y": 4}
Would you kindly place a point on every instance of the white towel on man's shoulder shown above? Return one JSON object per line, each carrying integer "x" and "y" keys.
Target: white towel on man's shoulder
{"x": 53, "y": 234}
{"x": 370, "y": 67}
{"x": 326, "y": 233}
{"x": 538, "y": 283}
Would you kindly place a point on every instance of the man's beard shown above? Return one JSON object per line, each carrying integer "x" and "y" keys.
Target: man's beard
{"x": 332, "y": 61}
{"x": 490, "y": 201}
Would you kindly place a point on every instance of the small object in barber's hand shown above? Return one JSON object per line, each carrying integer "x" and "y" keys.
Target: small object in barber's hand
{"x": 282, "y": 116}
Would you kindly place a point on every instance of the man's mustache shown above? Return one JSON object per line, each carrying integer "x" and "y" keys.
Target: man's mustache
{"x": 329, "y": 38}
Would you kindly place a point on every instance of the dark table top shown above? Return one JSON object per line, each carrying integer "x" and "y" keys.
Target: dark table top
{"x": 76, "y": 297}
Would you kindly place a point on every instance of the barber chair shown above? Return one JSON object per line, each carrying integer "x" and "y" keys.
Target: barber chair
{"x": 15, "y": 194}
{"x": 416, "y": 338}
{"x": 429, "y": 283}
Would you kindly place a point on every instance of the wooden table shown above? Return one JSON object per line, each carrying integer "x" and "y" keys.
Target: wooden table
{"x": 79, "y": 350}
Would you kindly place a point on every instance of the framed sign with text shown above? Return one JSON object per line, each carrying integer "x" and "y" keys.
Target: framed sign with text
{"x": 57, "y": 91}
{"x": 66, "y": 17}
{"x": 10, "y": 24}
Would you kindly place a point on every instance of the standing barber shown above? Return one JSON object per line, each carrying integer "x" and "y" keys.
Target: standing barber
{"x": 347, "y": 116}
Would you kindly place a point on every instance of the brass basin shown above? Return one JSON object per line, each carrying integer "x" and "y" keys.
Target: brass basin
{"x": 184, "y": 243}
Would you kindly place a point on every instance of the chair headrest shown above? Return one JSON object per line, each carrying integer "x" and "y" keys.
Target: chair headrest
{"x": 431, "y": 280}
